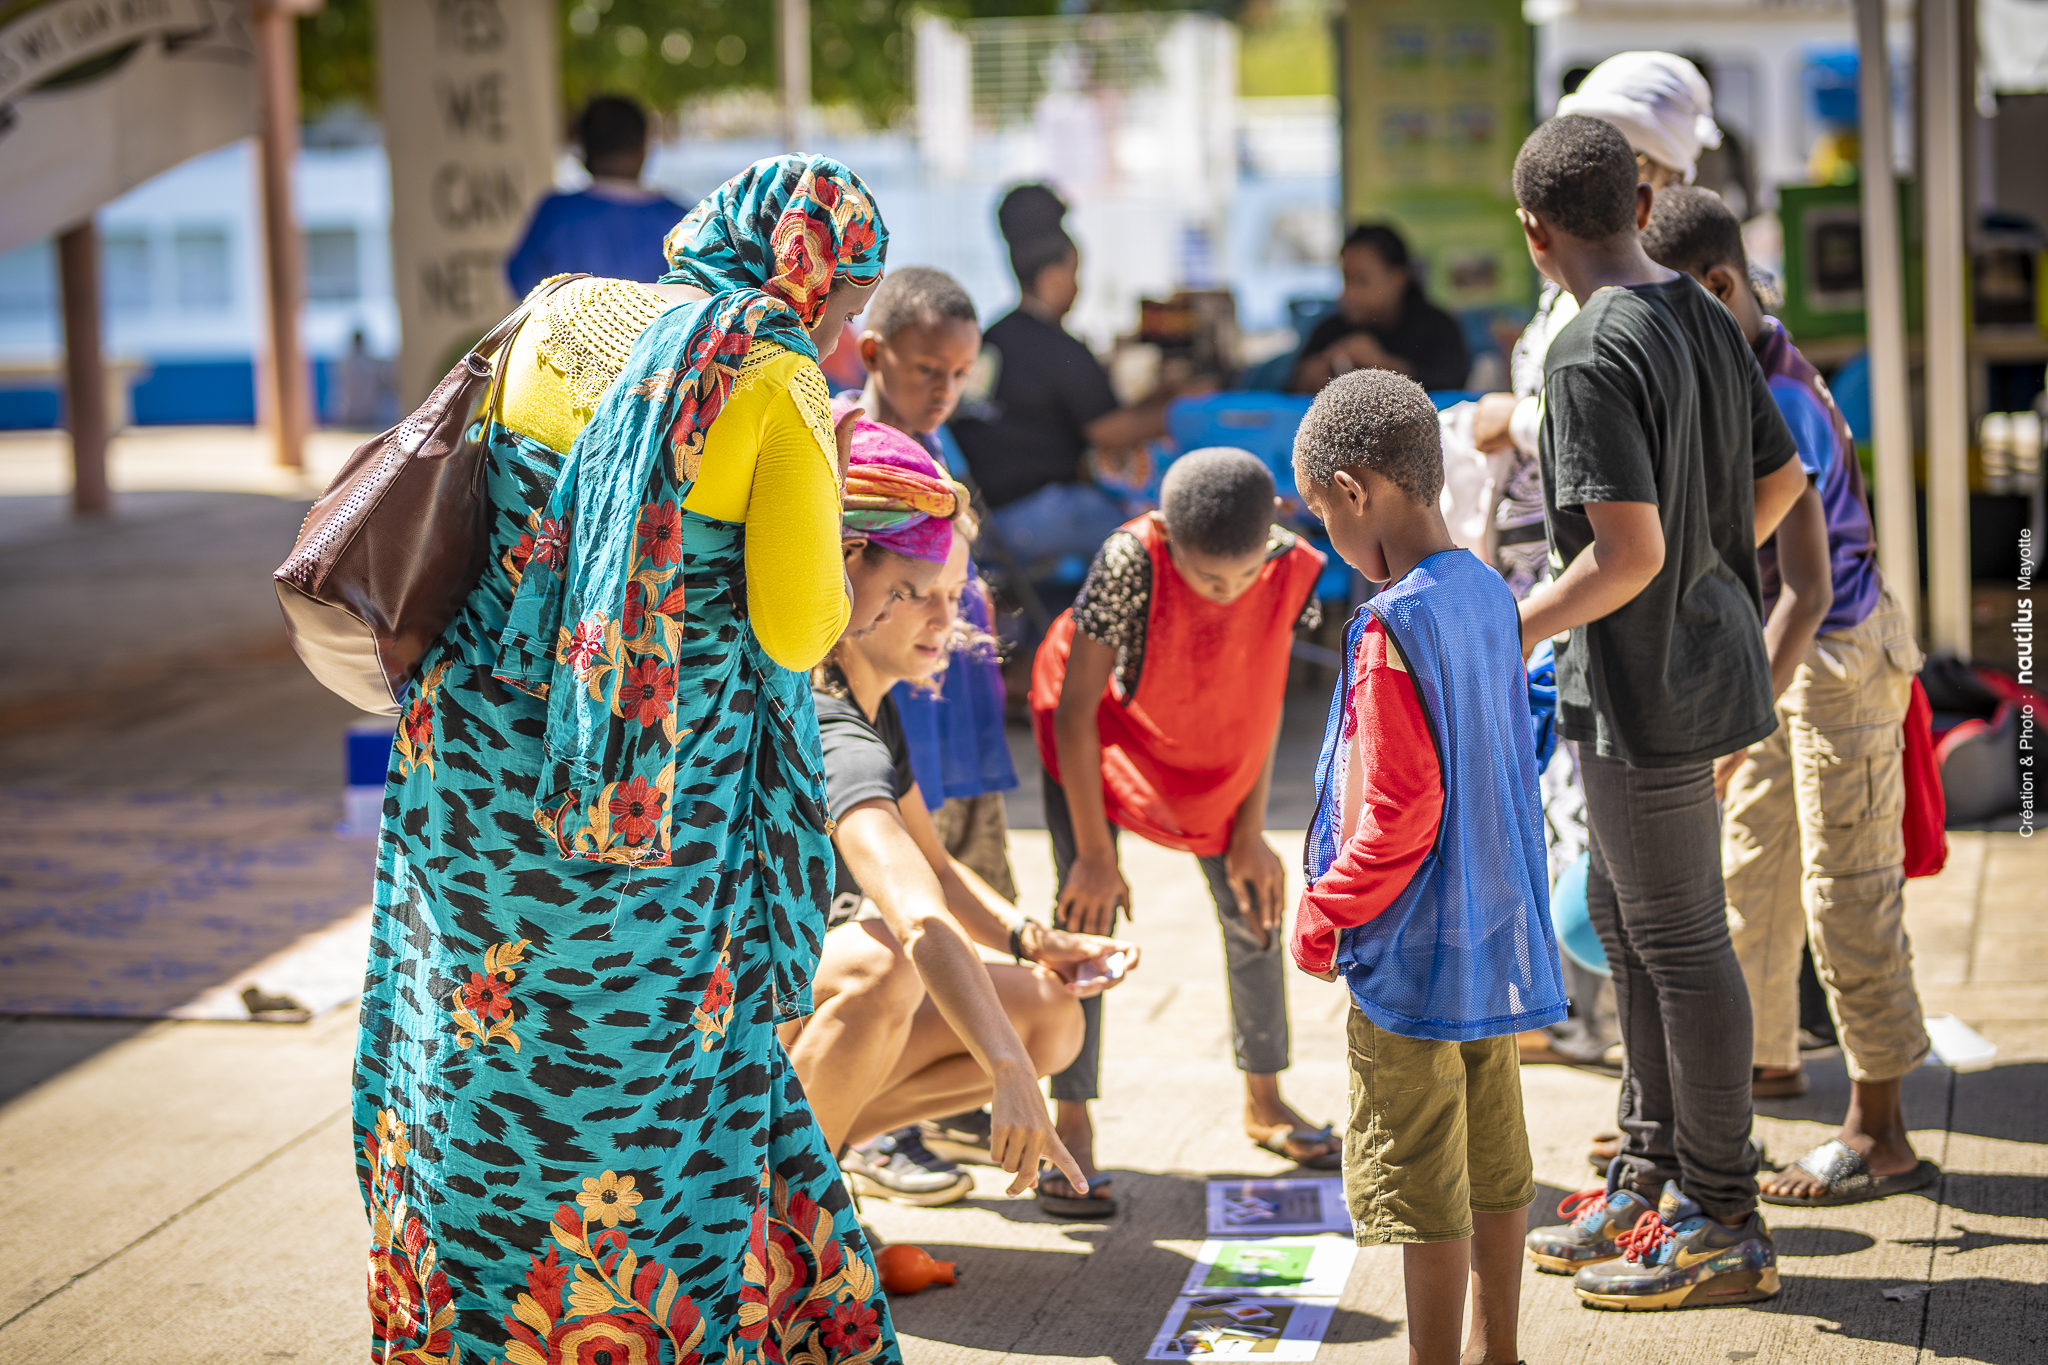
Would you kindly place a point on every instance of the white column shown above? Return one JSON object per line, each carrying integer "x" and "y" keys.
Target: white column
{"x": 1942, "y": 85}
{"x": 1884, "y": 302}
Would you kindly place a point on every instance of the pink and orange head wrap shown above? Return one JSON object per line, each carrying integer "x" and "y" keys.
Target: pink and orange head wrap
{"x": 898, "y": 497}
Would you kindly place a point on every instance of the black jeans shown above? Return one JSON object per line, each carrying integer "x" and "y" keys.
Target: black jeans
{"x": 1258, "y": 976}
{"x": 1655, "y": 895}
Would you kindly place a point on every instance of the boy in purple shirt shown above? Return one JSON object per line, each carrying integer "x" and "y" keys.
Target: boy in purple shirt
{"x": 1812, "y": 844}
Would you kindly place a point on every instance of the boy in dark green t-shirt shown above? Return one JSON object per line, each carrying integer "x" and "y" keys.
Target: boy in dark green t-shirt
{"x": 1664, "y": 460}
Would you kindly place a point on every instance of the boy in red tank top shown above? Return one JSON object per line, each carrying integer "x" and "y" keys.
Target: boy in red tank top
{"x": 1136, "y": 735}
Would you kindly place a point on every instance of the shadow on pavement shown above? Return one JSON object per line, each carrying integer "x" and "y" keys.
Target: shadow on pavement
{"x": 1979, "y": 1319}
{"x": 33, "y": 1050}
{"x": 2007, "y": 1102}
{"x": 1997, "y": 1196}
{"x": 1819, "y": 1241}
{"x": 1963, "y": 1239}
{"x": 1925, "y": 1095}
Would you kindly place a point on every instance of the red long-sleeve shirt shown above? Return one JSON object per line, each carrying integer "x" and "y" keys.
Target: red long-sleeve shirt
{"x": 1392, "y": 792}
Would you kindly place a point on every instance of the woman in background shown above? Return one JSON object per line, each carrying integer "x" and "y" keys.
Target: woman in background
{"x": 1049, "y": 402}
{"x": 1382, "y": 321}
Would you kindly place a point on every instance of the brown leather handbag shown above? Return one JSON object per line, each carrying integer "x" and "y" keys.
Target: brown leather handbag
{"x": 391, "y": 550}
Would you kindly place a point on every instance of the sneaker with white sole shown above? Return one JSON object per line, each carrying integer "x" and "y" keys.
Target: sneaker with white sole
{"x": 960, "y": 1137}
{"x": 897, "y": 1166}
{"x": 1678, "y": 1257}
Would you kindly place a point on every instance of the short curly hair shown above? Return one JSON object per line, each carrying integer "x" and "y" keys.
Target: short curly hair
{"x": 914, "y": 296}
{"x": 1376, "y": 420}
{"x": 1579, "y": 173}
{"x": 1693, "y": 230}
{"x": 1218, "y": 501}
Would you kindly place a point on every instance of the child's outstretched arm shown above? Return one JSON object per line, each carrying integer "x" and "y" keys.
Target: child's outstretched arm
{"x": 897, "y": 875}
{"x": 1095, "y": 888}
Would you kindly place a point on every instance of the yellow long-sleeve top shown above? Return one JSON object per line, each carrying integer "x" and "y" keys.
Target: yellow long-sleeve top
{"x": 768, "y": 458}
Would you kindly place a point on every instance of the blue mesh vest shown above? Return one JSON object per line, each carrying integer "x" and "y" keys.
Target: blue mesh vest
{"x": 1465, "y": 951}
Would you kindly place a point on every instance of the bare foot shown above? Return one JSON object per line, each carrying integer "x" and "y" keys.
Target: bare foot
{"x": 1077, "y": 1131}
{"x": 1875, "y": 1130}
{"x": 1266, "y": 1116}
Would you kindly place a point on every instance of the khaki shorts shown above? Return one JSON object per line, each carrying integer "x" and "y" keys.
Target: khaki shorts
{"x": 974, "y": 830}
{"x": 1436, "y": 1132}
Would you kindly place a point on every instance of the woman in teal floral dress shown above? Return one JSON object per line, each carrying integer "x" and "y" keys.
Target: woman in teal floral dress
{"x": 604, "y": 871}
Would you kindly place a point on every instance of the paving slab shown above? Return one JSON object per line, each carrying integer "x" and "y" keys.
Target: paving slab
{"x": 247, "y": 1275}
{"x": 99, "y": 1158}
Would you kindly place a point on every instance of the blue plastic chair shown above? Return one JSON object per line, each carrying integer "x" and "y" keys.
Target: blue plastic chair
{"x": 1264, "y": 423}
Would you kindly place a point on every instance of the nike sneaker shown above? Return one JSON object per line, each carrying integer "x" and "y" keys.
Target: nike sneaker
{"x": 1677, "y": 1257}
{"x": 1596, "y": 1217}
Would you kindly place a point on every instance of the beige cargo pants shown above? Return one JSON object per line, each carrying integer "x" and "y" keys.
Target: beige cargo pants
{"x": 1812, "y": 849}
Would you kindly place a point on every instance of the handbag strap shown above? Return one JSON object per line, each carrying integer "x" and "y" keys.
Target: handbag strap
{"x": 495, "y": 340}
{"x": 490, "y": 348}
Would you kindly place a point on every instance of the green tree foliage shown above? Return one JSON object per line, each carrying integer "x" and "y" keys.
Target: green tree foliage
{"x": 337, "y": 58}
{"x": 664, "y": 52}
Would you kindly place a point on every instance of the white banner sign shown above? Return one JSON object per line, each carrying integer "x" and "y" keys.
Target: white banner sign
{"x": 97, "y": 96}
{"x": 468, "y": 89}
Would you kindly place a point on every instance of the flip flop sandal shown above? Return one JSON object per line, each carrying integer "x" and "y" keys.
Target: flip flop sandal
{"x": 1848, "y": 1179}
{"x": 1276, "y": 1140}
{"x": 1092, "y": 1205}
{"x": 1782, "y": 1087}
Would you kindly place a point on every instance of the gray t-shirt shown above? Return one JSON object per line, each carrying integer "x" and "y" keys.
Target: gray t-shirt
{"x": 1651, "y": 394}
{"x": 864, "y": 760}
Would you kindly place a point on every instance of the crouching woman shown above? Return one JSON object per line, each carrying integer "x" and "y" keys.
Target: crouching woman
{"x": 910, "y": 1023}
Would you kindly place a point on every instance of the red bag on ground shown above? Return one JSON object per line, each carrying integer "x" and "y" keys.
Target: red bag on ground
{"x": 1926, "y": 806}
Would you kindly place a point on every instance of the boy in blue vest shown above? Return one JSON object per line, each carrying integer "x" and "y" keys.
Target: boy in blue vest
{"x": 1427, "y": 880}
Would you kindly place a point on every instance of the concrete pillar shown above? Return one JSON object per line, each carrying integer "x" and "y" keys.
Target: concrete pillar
{"x": 1944, "y": 85}
{"x": 85, "y": 385}
{"x": 283, "y": 399}
{"x": 793, "y": 40}
{"x": 1884, "y": 302}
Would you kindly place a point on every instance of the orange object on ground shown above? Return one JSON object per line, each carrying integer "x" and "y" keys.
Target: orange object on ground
{"x": 907, "y": 1269}
{"x": 1180, "y": 756}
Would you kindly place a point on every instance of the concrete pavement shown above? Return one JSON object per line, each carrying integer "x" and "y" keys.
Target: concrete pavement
{"x": 184, "y": 1192}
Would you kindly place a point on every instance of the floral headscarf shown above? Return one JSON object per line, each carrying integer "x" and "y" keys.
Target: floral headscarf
{"x": 897, "y": 496}
{"x": 594, "y": 629}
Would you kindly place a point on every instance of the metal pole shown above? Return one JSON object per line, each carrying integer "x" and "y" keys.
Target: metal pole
{"x": 283, "y": 376}
{"x": 1948, "y": 411}
{"x": 795, "y": 41}
{"x": 85, "y": 382}
{"x": 1884, "y": 301}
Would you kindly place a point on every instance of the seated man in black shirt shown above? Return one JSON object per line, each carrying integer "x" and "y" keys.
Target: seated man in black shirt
{"x": 881, "y": 1053}
{"x": 1047, "y": 401}
{"x": 1382, "y": 321}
